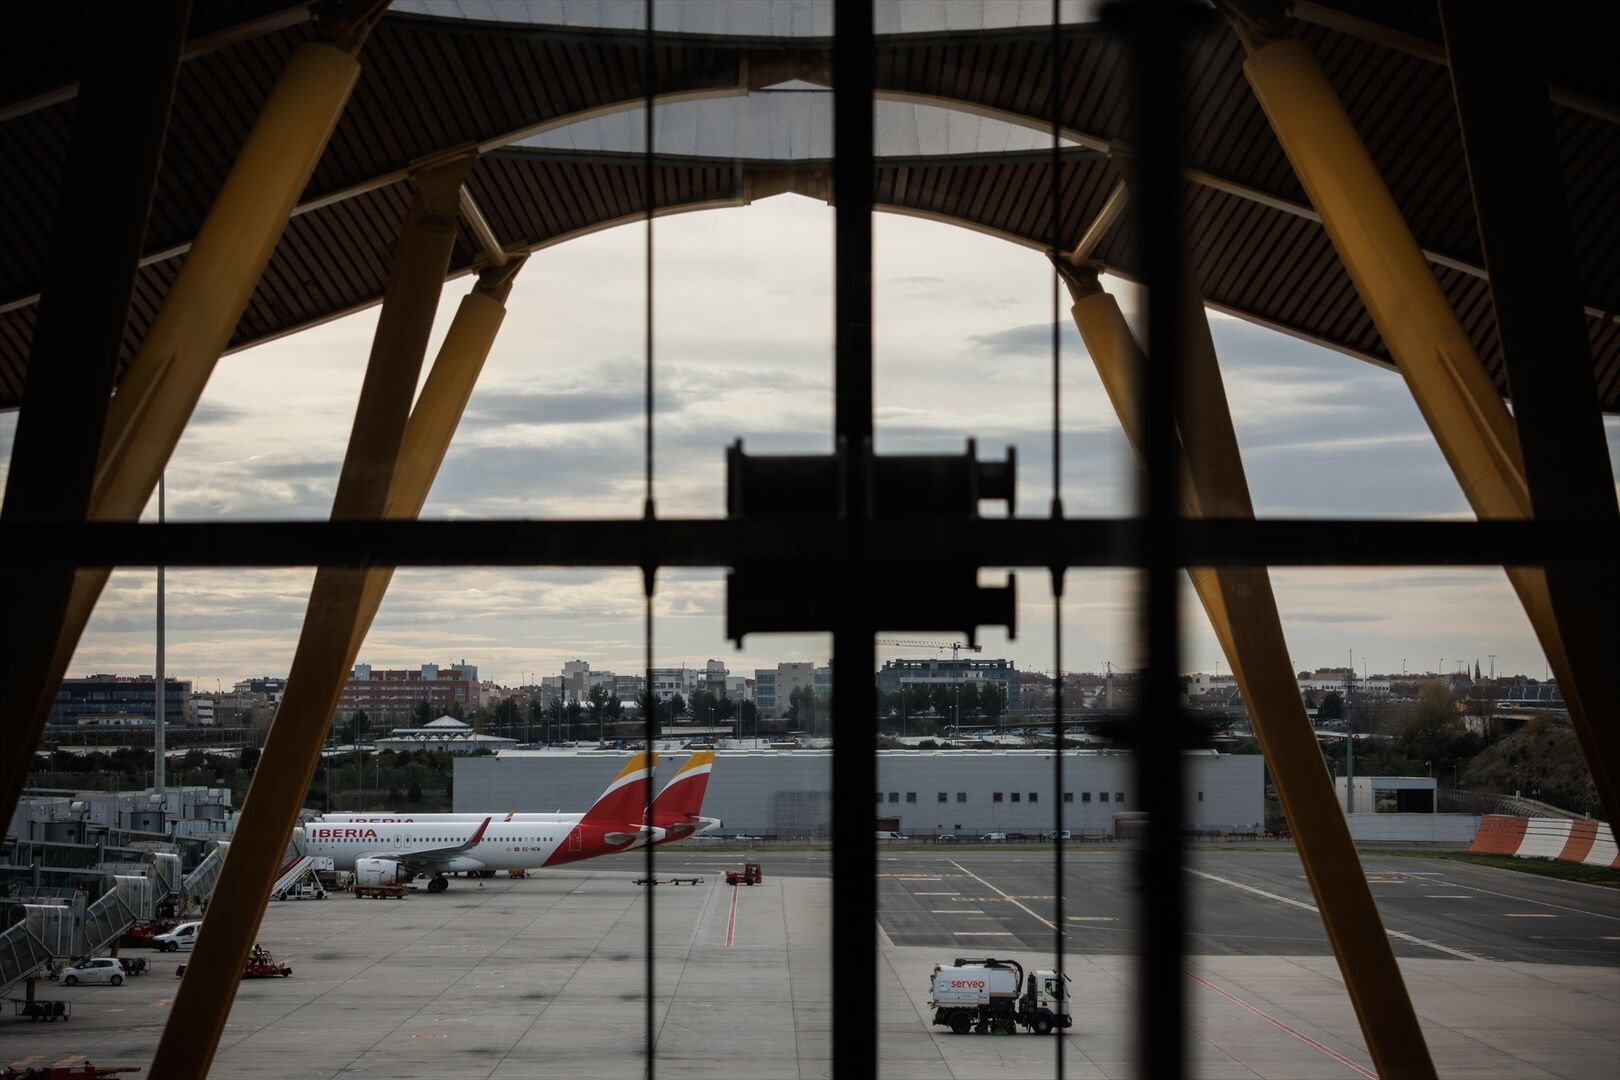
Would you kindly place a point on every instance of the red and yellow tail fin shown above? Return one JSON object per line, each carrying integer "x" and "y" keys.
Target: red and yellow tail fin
{"x": 679, "y": 806}
{"x": 625, "y": 800}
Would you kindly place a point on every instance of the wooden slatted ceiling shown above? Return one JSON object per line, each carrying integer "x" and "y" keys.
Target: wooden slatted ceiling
{"x": 1402, "y": 105}
{"x": 421, "y": 91}
{"x": 335, "y": 259}
{"x": 430, "y": 86}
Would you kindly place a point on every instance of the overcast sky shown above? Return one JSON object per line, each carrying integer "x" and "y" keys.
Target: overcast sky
{"x": 744, "y": 348}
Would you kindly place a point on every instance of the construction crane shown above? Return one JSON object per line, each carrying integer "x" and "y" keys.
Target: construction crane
{"x": 956, "y": 647}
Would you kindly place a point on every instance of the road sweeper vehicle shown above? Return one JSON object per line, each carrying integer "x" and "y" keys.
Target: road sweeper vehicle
{"x": 986, "y": 995}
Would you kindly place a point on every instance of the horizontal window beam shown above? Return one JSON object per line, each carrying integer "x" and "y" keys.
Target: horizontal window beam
{"x": 912, "y": 544}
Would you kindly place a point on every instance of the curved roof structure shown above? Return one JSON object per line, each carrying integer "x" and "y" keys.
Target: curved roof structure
{"x": 962, "y": 137}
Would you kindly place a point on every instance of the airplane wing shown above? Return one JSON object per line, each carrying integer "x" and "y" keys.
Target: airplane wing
{"x": 423, "y": 856}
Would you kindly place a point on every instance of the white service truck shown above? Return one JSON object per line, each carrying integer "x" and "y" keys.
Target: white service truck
{"x": 986, "y": 994}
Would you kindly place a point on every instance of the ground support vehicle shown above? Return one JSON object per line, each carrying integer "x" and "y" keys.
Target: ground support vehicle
{"x": 142, "y": 934}
{"x": 986, "y": 995}
{"x": 379, "y": 892}
{"x": 133, "y": 965}
{"x": 183, "y": 936}
{"x": 42, "y": 1009}
{"x": 261, "y": 965}
{"x": 309, "y": 890}
{"x": 671, "y": 881}
{"x": 750, "y": 874}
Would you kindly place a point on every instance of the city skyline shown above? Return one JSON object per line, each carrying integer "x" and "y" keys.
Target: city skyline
{"x": 744, "y": 349}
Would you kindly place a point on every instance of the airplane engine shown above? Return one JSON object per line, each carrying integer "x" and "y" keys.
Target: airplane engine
{"x": 380, "y": 872}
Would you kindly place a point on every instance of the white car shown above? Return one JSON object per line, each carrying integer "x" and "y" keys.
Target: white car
{"x": 183, "y": 936}
{"x": 889, "y": 834}
{"x": 100, "y": 969}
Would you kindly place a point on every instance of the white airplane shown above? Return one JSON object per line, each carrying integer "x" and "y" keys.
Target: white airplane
{"x": 394, "y": 852}
{"x": 676, "y": 810}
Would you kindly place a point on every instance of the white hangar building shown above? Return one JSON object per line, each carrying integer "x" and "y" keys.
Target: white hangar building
{"x": 787, "y": 793}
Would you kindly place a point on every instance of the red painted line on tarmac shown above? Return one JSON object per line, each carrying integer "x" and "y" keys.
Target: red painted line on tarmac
{"x": 1295, "y": 1032}
{"x": 731, "y": 923}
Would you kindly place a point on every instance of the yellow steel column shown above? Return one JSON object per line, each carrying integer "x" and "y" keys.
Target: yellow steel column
{"x": 1243, "y": 613}
{"x": 434, "y": 419}
{"x": 202, "y": 308}
{"x": 292, "y": 747}
{"x": 1456, "y": 396}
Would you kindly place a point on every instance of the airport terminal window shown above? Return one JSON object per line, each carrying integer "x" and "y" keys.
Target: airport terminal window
{"x": 961, "y": 796}
{"x": 1119, "y": 796}
{"x": 996, "y": 797}
{"x": 1034, "y": 796}
{"x": 1068, "y": 796}
{"x": 1015, "y": 797}
{"x": 894, "y": 796}
{"x": 911, "y": 796}
{"x": 1102, "y": 796}
{"x": 1085, "y": 796}
{"x": 1200, "y": 796}
{"x": 942, "y": 797}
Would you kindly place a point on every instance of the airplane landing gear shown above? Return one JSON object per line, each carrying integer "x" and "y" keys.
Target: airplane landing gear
{"x": 438, "y": 883}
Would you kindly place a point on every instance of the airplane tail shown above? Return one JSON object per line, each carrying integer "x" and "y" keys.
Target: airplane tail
{"x": 679, "y": 806}
{"x": 625, "y": 799}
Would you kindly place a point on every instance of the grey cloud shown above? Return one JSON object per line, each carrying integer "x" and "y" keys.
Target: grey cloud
{"x": 1031, "y": 339}
{"x": 572, "y": 406}
{"x": 214, "y": 412}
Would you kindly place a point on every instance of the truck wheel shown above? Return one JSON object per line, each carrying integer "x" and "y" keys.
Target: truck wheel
{"x": 1042, "y": 1025}
{"x": 960, "y": 1023}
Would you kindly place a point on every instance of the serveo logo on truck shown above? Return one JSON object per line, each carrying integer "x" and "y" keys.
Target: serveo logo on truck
{"x": 967, "y": 984}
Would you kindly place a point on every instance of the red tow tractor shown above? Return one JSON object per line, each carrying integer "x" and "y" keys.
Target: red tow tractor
{"x": 750, "y": 874}
{"x": 261, "y": 965}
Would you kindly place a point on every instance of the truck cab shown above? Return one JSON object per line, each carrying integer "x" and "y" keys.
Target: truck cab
{"x": 1046, "y": 1002}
